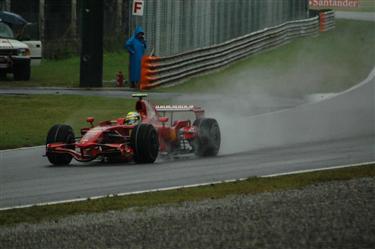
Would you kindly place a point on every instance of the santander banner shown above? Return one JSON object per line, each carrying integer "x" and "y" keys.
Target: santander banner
{"x": 335, "y": 3}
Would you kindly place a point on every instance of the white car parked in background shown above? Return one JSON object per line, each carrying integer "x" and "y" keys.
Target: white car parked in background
{"x": 16, "y": 57}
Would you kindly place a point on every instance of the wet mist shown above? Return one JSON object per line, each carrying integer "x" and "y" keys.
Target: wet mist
{"x": 256, "y": 109}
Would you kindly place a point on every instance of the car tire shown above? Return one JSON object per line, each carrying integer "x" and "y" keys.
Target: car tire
{"x": 145, "y": 142}
{"x": 22, "y": 71}
{"x": 207, "y": 143}
{"x": 3, "y": 75}
{"x": 63, "y": 134}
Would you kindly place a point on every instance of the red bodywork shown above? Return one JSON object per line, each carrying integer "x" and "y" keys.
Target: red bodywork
{"x": 112, "y": 138}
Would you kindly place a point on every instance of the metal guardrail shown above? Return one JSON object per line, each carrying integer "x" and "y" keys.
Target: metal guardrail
{"x": 158, "y": 71}
{"x": 178, "y": 26}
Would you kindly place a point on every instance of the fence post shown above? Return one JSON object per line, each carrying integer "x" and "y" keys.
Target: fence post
{"x": 41, "y": 19}
{"x": 73, "y": 19}
{"x": 7, "y": 5}
{"x": 119, "y": 15}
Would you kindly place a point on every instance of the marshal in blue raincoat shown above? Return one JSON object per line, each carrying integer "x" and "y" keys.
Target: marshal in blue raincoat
{"x": 136, "y": 47}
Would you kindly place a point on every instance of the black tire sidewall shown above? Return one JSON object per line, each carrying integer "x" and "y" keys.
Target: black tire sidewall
{"x": 144, "y": 140}
{"x": 22, "y": 70}
{"x": 204, "y": 144}
{"x": 64, "y": 134}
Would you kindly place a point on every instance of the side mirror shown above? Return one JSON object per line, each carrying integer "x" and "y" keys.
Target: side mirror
{"x": 90, "y": 120}
{"x": 163, "y": 119}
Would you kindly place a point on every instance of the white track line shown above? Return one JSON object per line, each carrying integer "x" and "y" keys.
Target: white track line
{"x": 180, "y": 187}
{"x": 22, "y": 148}
{"x": 320, "y": 169}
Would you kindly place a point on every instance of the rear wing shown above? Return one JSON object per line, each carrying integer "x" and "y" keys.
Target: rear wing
{"x": 199, "y": 112}
{"x": 178, "y": 108}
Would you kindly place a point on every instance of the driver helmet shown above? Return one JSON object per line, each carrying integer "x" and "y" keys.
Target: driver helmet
{"x": 132, "y": 118}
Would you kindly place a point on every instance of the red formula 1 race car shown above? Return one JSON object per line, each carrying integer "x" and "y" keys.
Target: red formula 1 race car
{"x": 138, "y": 137}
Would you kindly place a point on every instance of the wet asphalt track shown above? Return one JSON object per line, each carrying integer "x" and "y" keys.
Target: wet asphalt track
{"x": 359, "y": 16}
{"x": 27, "y": 177}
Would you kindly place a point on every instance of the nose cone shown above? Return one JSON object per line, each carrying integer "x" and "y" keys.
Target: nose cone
{"x": 91, "y": 137}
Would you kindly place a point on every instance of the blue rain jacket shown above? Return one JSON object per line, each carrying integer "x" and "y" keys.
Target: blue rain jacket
{"x": 136, "y": 49}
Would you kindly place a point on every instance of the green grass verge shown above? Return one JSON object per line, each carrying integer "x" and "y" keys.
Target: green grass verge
{"x": 65, "y": 72}
{"x": 331, "y": 62}
{"x": 25, "y": 119}
{"x": 251, "y": 186}
{"x": 366, "y": 6}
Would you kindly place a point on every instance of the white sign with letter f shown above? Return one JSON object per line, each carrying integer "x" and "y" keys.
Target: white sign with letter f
{"x": 138, "y": 6}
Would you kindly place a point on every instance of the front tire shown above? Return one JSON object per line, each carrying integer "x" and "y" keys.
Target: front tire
{"x": 145, "y": 142}
{"x": 208, "y": 140}
{"x": 60, "y": 134}
{"x": 22, "y": 71}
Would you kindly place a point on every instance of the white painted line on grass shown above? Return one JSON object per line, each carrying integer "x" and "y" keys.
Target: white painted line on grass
{"x": 179, "y": 187}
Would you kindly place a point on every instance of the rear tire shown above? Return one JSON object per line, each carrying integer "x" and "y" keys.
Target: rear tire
{"x": 209, "y": 138}
{"x": 60, "y": 134}
{"x": 145, "y": 142}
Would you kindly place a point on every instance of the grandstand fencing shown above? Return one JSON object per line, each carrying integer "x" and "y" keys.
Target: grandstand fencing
{"x": 176, "y": 26}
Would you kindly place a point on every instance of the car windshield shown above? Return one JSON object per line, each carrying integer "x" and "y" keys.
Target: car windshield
{"x": 29, "y": 32}
{"x": 5, "y": 31}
